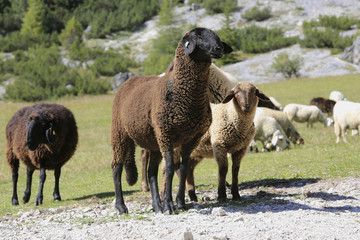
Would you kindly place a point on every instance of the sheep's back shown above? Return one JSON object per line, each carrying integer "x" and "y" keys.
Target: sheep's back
{"x": 132, "y": 109}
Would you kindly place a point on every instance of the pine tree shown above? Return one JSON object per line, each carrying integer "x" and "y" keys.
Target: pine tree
{"x": 33, "y": 19}
{"x": 72, "y": 33}
{"x": 165, "y": 14}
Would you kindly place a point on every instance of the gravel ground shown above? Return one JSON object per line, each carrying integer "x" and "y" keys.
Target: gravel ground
{"x": 279, "y": 209}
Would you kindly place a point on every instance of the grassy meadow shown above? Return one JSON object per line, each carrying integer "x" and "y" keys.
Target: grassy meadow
{"x": 87, "y": 177}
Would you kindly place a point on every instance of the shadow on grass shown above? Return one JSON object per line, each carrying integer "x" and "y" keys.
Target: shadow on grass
{"x": 103, "y": 195}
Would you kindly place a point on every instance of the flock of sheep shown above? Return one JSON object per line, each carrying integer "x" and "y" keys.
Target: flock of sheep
{"x": 193, "y": 111}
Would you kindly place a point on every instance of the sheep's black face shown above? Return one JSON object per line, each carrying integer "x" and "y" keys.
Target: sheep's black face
{"x": 203, "y": 44}
{"x": 38, "y": 128}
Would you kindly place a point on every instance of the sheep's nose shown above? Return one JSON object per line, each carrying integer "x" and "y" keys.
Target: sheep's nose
{"x": 246, "y": 107}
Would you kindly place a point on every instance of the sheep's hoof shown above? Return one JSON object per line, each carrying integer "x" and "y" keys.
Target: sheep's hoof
{"x": 236, "y": 197}
{"x": 38, "y": 201}
{"x": 57, "y": 198}
{"x": 193, "y": 196}
{"x": 157, "y": 207}
{"x": 122, "y": 208}
{"x": 145, "y": 188}
{"x": 222, "y": 199}
{"x": 180, "y": 204}
{"x": 26, "y": 198}
{"x": 168, "y": 207}
{"x": 15, "y": 202}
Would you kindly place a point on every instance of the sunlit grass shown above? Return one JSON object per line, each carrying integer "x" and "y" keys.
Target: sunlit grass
{"x": 88, "y": 176}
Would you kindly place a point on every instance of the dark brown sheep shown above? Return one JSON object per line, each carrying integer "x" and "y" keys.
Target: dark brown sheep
{"x": 325, "y": 105}
{"x": 43, "y": 136}
{"x": 161, "y": 113}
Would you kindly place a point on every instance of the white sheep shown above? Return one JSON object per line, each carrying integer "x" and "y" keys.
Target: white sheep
{"x": 220, "y": 83}
{"x": 286, "y": 124}
{"x": 304, "y": 113}
{"x": 269, "y": 132}
{"x": 276, "y": 103}
{"x": 336, "y": 96}
{"x": 346, "y": 116}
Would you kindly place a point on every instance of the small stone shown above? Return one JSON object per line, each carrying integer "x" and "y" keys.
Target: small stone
{"x": 188, "y": 236}
{"x": 218, "y": 212}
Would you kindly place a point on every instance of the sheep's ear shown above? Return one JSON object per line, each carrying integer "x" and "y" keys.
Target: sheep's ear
{"x": 227, "y": 48}
{"x": 188, "y": 44}
{"x": 230, "y": 95}
{"x": 262, "y": 95}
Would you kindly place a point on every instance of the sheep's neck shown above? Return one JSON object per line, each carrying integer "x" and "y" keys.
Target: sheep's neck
{"x": 190, "y": 77}
{"x": 239, "y": 117}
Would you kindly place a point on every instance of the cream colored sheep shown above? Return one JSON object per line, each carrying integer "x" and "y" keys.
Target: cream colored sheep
{"x": 304, "y": 113}
{"x": 346, "y": 116}
{"x": 286, "y": 125}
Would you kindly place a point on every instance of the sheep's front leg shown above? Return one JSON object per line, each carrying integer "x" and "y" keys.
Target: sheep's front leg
{"x": 56, "y": 192}
{"x": 222, "y": 161}
{"x": 155, "y": 159}
{"x": 236, "y": 160}
{"x": 39, "y": 198}
{"x": 343, "y": 133}
{"x": 184, "y": 167}
{"x": 119, "y": 200}
{"x": 27, "y": 193}
{"x": 169, "y": 172}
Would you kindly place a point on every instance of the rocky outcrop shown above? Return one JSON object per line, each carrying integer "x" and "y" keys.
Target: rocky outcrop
{"x": 352, "y": 53}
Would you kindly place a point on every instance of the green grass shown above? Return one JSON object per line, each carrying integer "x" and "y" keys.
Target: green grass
{"x": 87, "y": 177}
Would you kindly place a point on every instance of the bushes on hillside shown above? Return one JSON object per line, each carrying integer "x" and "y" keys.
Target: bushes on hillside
{"x": 317, "y": 36}
{"x": 107, "y": 16}
{"x": 333, "y": 22}
{"x": 254, "y": 39}
{"x": 257, "y": 14}
{"x": 40, "y": 75}
{"x": 288, "y": 67}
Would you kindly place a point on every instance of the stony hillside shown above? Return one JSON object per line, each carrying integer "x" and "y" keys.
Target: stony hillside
{"x": 289, "y": 15}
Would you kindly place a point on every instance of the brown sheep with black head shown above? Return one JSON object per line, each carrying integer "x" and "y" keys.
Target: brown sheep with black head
{"x": 43, "y": 136}
{"x": 161, "y": 113}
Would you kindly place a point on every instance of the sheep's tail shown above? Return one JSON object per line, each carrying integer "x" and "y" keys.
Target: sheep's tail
{"x": 131, "y": 171}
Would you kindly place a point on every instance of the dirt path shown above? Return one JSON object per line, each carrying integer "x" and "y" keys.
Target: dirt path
{"x": 277, "y": 209}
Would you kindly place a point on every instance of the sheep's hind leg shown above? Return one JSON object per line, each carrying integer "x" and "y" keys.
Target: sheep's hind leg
{"x": 39, "y": 198}
{"x": 27, "y": 193}
{"x": 15, "y": 175}
{"x": 56, "y": 193}
{"x": 155, "y": 159}
{"x": 119, "y": 200}
{"x": 144, "y": 177}
{"x": 190, "y": 182}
